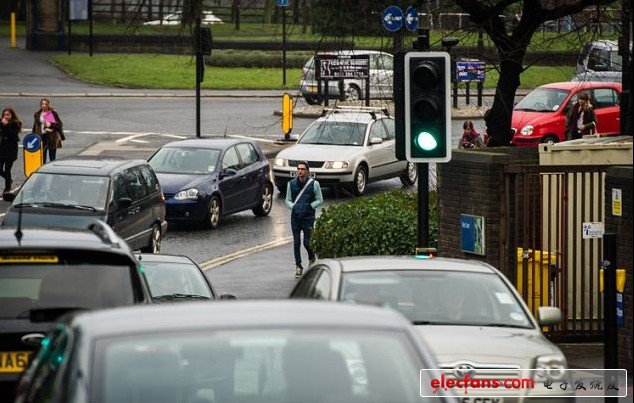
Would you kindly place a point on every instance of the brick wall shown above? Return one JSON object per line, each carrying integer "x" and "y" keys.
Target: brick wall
{"x": 473, "y": 183}
{"x": 621, "y": 178}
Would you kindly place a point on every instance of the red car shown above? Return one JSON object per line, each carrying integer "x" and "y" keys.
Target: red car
{"x": 541, "y": 116}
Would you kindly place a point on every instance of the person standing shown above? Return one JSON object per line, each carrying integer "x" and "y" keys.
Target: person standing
{"x": 303, "y": 196}
{"x": 10, "y": 127}
{"x": 48, "y": 125}
{"x": 581, "y": 119}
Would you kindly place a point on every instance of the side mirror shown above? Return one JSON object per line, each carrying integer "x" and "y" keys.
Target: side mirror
{"x": 227, "y": 296}
{"x": 228, "y": 172}
{"x": 124, "y": 202}
{"x": 375, "y": 140}
{"x": 8, "y": 196}
{"x": 33, "y": 339}
{"x": 548, "y": 315}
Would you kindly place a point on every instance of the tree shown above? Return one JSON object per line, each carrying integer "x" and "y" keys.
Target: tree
{"x": 511, "y": 47}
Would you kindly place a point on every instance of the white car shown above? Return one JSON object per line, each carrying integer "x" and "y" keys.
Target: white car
{"x": 348, "y": 146}
{"x": 207, "y": 18}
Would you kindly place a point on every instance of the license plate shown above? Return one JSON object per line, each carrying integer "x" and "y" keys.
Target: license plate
{"x": 481, "y": 399}
{"x": 310, "y": 175}
{"x": 14, "y": 361}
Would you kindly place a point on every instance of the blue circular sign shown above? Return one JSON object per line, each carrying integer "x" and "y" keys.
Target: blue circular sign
{"x": 32, "y": 142}
{"x": 392, "y": 18}
{"x": 411, "y": 18}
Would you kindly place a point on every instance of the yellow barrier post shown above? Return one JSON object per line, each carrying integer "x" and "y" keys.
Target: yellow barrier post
{"x": 32, "y": 153}
{"x": 287, "y": 115}
{"x": 12, "y": 40}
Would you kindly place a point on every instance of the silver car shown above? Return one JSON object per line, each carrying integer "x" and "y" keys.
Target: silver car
{"x": 348, "y": 146}
{"x": 469, "y": 314}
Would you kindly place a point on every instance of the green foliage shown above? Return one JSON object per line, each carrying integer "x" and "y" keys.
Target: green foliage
{"x": 256, "y": 58}
{"x": 386, "y": 224}
{"x": 352, "y": 17}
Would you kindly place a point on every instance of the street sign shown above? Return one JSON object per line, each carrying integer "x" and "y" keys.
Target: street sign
{"x": 472, "y": 234}
{"x": 593, "y": 230}
{"x": 32, "y": 151}
{"x": 411, "y": 18}
{"x": 392, "y": 18}
{"x": 470, "y": 70}
{"x": 282, "y": 3}
{"x": 287, "y": 115}
{"x": 335, "y": 67}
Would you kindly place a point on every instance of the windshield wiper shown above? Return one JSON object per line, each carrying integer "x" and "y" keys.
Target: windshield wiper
{"x": 180, "y": 296}
{"x": 73, "y": 206}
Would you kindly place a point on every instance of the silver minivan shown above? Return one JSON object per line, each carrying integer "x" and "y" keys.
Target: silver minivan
{"x": 599, "y": 61}
{"x": 381, "y": 75}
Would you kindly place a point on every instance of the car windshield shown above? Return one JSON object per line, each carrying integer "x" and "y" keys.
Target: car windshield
{"x": 50, "y": 284}
{"x": 438, "y": 297}
{"x": 542, "y": 100}
{"x": 169, "y": 279}
{"x": 335, "y": 133}
{"x": 333, "y": 365}
{"x": 64, "y": 190}
{"x": 181, "y": 160}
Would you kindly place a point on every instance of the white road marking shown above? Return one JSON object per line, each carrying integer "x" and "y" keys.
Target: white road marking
{"x": 139, "y": 141}
{"x": 210, "y": 264}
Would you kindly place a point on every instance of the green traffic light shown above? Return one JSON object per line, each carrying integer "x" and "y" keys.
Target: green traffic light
{"x": 425, "y": 141}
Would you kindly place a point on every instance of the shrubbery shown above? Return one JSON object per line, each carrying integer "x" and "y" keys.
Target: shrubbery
{"x": 257, "y": 58}
{"x": 382, "y": 225}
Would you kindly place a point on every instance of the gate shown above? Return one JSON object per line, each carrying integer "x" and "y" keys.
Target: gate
{"x": 546, "y": 257}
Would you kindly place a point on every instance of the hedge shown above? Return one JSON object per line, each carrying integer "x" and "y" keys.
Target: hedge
{"x": 386, "y": 224}
{"x": 257, "y": 58}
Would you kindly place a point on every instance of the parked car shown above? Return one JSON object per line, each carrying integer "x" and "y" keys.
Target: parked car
{"x": 205, "y": 179}
{"x": 470, "y": 315}
{"x": 540, "y": 117}
{"x": 381, "y": 78}
{"x": 256, "y": 351}
{"x": 176, "y": 279}
{"x": 72, "y": 192}
{"x": 599, "y": 61}
{"x": 207, "y": 18}
{"x": 45, "y": 273}
{"x": 348, "y": 146}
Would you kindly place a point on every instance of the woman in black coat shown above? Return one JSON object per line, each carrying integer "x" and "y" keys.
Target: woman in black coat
{"x": 10, "y": 127}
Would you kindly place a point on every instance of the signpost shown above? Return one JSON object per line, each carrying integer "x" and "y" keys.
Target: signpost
{"x": 411, "y": 19}
{"x": 283, "y": 4}
{"x": 472, "y": 233}
{"x": 341, "y": 67}
{"x": 32, "y": 153}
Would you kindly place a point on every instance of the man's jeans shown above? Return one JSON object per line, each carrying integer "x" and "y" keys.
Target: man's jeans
{"x": 297, "y": 244}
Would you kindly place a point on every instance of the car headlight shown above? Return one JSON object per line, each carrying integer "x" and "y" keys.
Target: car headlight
{"x": 336, "y": 164}
{"x": 527, "y": 130}
{"x": 187, "y": 194}
{"x": 550, "y": 367}
{"x": 281, "y": 162}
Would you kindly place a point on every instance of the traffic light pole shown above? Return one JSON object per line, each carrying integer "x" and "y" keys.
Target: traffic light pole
{"x": 422, "y": 169}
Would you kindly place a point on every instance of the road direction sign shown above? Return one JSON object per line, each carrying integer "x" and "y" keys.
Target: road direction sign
{"x": 32, "y": 152}
{"x": 282, "y": 3}
{"x": 392, "y": 18}
{"x": 411, "y": 18}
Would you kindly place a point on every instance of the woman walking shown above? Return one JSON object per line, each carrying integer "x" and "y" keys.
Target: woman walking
{"x": 10, "y": 127}
{"x": 48, "y": 125}
{"x": 581, "y": 119}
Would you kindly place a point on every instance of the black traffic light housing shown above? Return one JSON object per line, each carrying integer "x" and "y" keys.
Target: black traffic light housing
{"x": 426, "y": 106}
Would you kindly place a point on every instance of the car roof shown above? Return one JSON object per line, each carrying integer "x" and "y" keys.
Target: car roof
{"x": 234, "y": 315}
{"x": 569, "y": 85}
{"x": 92, "y": 166}
{"x": 357, "y": 117}
{"x": 211, "y": 143}
{"x": 150, "y": 257}
{"x": 380, "y": 263}
{"x": 33, "y": 238}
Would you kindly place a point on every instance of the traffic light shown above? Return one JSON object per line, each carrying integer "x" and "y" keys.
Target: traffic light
{"x": 427, "y": 113}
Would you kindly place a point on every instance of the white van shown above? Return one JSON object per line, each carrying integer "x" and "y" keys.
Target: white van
{"x": 381, "y": 77}
{"x": 599, "y": 61}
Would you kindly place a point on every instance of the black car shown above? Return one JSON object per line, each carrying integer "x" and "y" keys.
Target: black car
{"x": 46, "y": 273}
{"x": 72, "y": 192}
{"x": 204, "y": 179}
{"x": 174, "y": 278}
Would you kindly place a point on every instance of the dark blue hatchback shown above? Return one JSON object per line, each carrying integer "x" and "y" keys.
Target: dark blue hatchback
{"x": 204, "y": 179}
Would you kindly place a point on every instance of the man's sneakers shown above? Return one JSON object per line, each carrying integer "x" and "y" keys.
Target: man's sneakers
{"x": 298, "y": 271}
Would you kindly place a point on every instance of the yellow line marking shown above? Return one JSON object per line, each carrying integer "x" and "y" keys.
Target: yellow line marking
{"x": 219, "y": 261}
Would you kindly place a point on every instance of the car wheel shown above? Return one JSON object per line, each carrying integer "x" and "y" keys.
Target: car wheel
{"x": 312, "y": 100}
{"x": 548, "y": 138}
{"x": 154, "y": 244}
{"x": 266, "y": 202}
{"x": 360, "y": 180}
{"x": 408, "y": 178}
{"x": 213, "y": 213}
{"x": 353, "y": 93}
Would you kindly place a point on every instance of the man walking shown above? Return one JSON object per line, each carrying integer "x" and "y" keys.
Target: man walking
{"x": 303, "y": 196}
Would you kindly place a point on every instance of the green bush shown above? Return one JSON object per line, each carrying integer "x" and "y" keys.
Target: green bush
{"x": 256, "y": 58}
{"x": 386, "y": 224}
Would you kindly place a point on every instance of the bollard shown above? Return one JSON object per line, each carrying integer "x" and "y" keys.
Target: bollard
{"x": 12, "y": 40}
